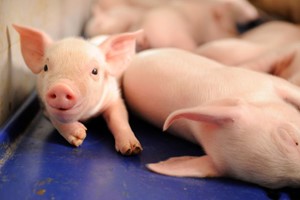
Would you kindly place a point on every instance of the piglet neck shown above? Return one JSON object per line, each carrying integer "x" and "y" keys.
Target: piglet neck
{"x": 110, "y": 94}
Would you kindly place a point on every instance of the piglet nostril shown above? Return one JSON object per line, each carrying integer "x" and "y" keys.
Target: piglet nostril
{"x": 52, "y": 96}
{"x": 69, "y": 97}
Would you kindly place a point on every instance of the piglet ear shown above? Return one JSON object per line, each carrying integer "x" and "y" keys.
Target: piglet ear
{"x": 119, "y": 51}
{"x": 33, "y": 45}
{"x": 217, "y": 114}
{"x": 285, "y": 137}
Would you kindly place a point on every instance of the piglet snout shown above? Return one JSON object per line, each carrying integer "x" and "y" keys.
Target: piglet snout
{"x": 61, "y": 96}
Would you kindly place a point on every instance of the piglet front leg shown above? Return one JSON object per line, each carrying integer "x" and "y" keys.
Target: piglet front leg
{"x": 74, "y": 132}
{"x": 116, "y": 117}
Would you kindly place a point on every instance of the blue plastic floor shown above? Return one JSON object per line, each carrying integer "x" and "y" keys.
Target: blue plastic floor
{"x": 37, "y": 163}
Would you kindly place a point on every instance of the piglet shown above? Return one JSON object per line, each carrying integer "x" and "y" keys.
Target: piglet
{"x": 186, "y": 24}
{"x": 251, "y": 44}
{"x": 247, "y": 122}
{"x": 108, "y": 21}
{"x": 77, "y": 80}
{"x": 283, "y": 62}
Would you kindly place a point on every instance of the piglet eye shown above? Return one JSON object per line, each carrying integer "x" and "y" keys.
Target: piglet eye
{"x": 95, "y": 71}
{"x": 46, "y": 68}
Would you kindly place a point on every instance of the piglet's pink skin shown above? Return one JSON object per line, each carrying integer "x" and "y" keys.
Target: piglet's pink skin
{"x": 186, "y": 24}
{"x": 77, "y": 80}
{"x": 108, "y": 21}
{"x": 252, "y": 44}
{"x": 247, "y": 122}
{"x": 283, "y": 62}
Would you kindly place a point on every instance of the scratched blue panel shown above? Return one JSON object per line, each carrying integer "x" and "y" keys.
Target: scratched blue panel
{"x": 37, "y": 163}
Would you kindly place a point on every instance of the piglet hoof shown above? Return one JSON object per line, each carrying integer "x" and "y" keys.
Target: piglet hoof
{"x": 129, "y": 148}
{"x": 76, "y": 142}
{"x": 78, "y": 135}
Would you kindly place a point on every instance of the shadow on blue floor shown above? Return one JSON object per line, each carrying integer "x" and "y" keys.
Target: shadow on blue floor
{"x": 37, "y": 163}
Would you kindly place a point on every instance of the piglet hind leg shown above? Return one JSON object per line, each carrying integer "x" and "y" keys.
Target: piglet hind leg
{"x": 186, "y": 166}
{"x": 116, "y": 117}
{"x": 74, "y": 132}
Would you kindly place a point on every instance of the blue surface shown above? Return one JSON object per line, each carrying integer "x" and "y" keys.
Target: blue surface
{"x": 37, "y": 163}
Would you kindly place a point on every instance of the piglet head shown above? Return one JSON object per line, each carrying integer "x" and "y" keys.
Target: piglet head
{"x": 76, "y": 79}
{"x": 255, "y": 143}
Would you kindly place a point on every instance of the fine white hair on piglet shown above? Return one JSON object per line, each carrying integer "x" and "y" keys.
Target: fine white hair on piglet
{"x": 247, "y": 122}
{"x": 78, "y": 80}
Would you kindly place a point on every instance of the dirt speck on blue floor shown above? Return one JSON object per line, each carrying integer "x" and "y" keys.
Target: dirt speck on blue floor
{"x": 41, "y": 192}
